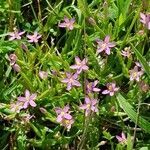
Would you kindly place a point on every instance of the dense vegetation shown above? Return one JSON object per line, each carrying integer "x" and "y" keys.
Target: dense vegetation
{"x": 74, "y": 74}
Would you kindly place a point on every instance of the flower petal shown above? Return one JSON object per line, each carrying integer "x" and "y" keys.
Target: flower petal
{"x": 32, "y": 103}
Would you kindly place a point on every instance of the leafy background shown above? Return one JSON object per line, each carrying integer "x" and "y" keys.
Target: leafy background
{"x": 127, "y": 111}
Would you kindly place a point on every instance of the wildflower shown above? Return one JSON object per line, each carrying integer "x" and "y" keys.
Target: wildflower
{"x": 111, "y": 89}
{"x": 138, "y": 64}
{"x": 144, "y": 86}
{"x": 12, "y": 58}
{"x": 80, "y": 65}
{"x": 90, "y": 105}
{"x": 63, "y": 113}
{"x": 43, "y": 74}
{"x": 16, "y": 67}
{"x": 67, "y": 123}
{"x": 71, "y": 80}
{"x": 121, "y": 139}
{"x": 64, "y": 117}
{"x": 135, "y": 74}
{"x": 105, "y": 45}
{"x": 145, "y": 19}
{"x": 68, "y": 23}
{"x": 126, "y": 52}
{"x": 28, "y": 99}
{"x": 91, "y": 86}
{"x": 34, "y": 38}
{"x": 16, "y": 107}
{"x": 26, "y": 118}
{"x": 15, "y": 35}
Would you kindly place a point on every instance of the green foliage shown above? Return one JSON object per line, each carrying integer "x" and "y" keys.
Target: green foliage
{"x": 126, "y": 111}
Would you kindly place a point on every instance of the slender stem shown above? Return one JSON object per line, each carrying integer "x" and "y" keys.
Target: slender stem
{"x": 137, "y": 119}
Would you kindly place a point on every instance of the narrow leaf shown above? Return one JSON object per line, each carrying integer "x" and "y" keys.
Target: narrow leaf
{"x": 144, "y": 124}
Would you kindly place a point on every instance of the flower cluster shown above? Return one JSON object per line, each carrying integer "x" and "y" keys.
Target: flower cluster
{"x": 17, "y": 35}
{"x": 72, "y": 79}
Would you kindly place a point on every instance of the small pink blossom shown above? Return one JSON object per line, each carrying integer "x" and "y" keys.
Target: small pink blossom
{"x": 126, "y": 52}
{"x": 89, "y": 105}
{"x": 71, "y": 80}
{"x": 105, "y": 45}
{"x": 135, "y": 74}
{"x": 91, "y": 87}
{"x": 63, "y": 113}
{"x": 111, "y": 89}
{"x": 16, "y": 67}
{"x": 28, "y": 99}
{"x": 26, "y": 118}
{"x": 43, "y": 74}
{"x": 15, "y": 35}
{"x": 122, "y": 139}
{"x": 145, "y": 19}
{"x": 34, "y": 38}
{"x": 68, "y": 23}
{"x": 16, "y": 107}
{"x": 64, "y": 117}
{"x": 138, "y": 64}
{"x": 80, "y": 65}
{"x": 12, "y": 59}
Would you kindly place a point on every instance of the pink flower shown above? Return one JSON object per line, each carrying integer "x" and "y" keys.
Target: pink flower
{"x": 145, "y": 19}
{"x": 64, "y": 117}
{"x": 16, "y": 67}
{"x": 43, "y": 74}
{"x": 71, "y": 80}
{"x": 26, "y": 118}
{"x": 80, "y": 65}
{"x": 111, "y": 89}
{"x": 90, "y": 105}
{"x": 105, "y": 45}
{"x": 63, "y": 113}
{"x": 122, "y": 139}
{"x": 67, "y": 123}
{"x": 12, "y": 60}
{"x": 28, "y": 99}
{"x": 126, "y": 52}
{"x": 68, "y": 23}
{"x": 135, "y": 74}
{"x": 91, "y": 86}
{"x": 16, "y": 107}
{"x": 34, "y": 38}
{"x": 15, "y": 35}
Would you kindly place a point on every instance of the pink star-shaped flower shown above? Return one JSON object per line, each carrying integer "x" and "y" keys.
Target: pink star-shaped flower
{"x": 68, "y": 23}
{"x": 105, "y": 45}
{"x": 28, "y": 99}
{"x": 34, "y": 38}
{"x": 80, "y": 65}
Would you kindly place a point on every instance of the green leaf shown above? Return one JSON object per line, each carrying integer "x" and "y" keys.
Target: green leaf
{"x": 121, "y": 19}
{"x": 142, "y": 123}
{"x": 142, "y": 61}
{"x": 83, "y": 5}
{"x": 144, "y": 148}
